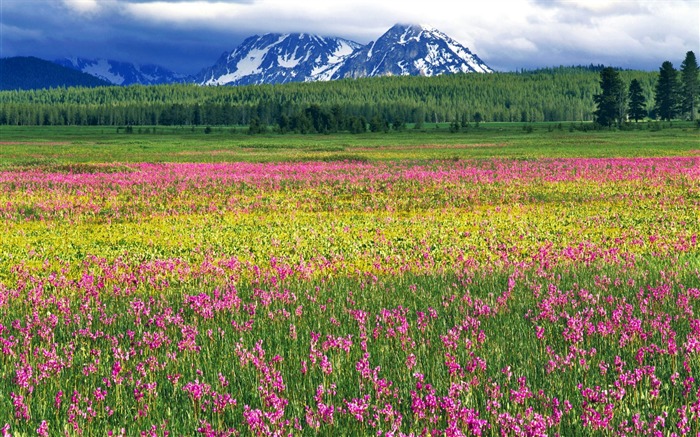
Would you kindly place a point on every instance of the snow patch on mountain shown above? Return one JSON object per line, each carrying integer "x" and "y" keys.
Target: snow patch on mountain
{"x": 412, "y": 50}
{"x": 124, "y": 73}
{"x": 300, "y": 57}
{"x": 103, "y": 70}
{"x": 279, "y": 58}
{"x": 402, "y": 50}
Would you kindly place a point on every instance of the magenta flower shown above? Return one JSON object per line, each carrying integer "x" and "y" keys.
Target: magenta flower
{"x": 43, "y": 429}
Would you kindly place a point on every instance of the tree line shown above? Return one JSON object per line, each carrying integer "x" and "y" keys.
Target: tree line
{"x": 674, "y": 95}
{"x": 555, "y": 94}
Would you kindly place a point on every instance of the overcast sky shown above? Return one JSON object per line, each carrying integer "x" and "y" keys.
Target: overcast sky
{"x": 188, "y": 35}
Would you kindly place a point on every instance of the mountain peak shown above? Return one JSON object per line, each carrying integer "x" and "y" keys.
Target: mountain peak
{"x": 413, "y": 49}
{"x": 272, "y": 58}
{"x": 279, "y": 58}
{"x": 405, "y": 49}
{"x": 411, "y": 27}
{"x": 404, "y": 33}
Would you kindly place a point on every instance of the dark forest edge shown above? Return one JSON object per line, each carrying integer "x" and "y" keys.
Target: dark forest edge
{"x": 675, "y": 95}
{"x": 560, "y": 94}
{"x": 563, "y": 94}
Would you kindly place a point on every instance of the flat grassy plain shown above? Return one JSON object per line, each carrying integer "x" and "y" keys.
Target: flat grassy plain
{"x": 421, "y": 283}
{"x": 64, "y": 145}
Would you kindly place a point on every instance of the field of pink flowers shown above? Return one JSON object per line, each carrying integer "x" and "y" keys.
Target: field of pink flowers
{"x": 486, "y": 297}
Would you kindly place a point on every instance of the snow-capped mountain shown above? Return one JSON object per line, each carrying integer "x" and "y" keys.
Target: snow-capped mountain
{"x": 124, "y": 73}
{"x": 277, "y": 58}
{"x": 402, "y": 50}
{"x": 415, "y": 50}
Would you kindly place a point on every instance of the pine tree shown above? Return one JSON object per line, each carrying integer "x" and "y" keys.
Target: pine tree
{"x": 667, "y": 92}
{"x": 611, "y": 101}
{"x": 464, "y": 122}
{"x": 478, "y": 118}
{"x": 690, "y": 87}
{"x": 637, "y": 102}
{"x": 378, "y": 124}
{"x": 256, "y": 126}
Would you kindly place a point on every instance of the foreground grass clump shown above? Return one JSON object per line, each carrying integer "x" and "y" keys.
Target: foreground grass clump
{"x": 489, "y": 297}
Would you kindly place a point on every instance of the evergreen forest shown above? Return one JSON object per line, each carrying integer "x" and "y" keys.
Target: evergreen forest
{"x": 552, "y": 94}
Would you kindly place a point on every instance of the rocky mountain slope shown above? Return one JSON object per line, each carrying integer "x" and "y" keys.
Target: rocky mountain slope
{"x": 402, "y": 50}
{"x": 124, "y": 73}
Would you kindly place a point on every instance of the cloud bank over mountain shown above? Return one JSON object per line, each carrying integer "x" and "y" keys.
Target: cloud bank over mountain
{"x": 185, "y": 34}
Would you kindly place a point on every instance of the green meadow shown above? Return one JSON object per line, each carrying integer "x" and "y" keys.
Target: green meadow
{"x": 509, "y": 279}
{"x": 46, "y": 145}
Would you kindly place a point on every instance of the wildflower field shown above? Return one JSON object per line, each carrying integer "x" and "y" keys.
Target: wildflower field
{"x": 389, "y": 298}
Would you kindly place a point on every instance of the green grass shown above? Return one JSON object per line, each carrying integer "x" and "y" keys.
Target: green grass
{"x": 43, "y": 145}
{"x": 509, "y": 341}
{"x": 55, "y": 267}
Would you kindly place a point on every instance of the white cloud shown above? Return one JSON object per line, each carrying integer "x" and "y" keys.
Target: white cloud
{"x": 266, "y": 16}
{"x": 19, "y": 33}
{"x": 195, "y": 12}
{"x": 479, "y": 21}
{"x": 621, "y": 33}
{"x": 83, "y": 6}
{"x": 506, "y": 34}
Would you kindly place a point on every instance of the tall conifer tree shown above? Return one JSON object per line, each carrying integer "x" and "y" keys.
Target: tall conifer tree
{"x": 637, "y": 103}
{"x": 667, "y": 92}
{"x": 690, "y": 85}
{"x": 611, "y": 100}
